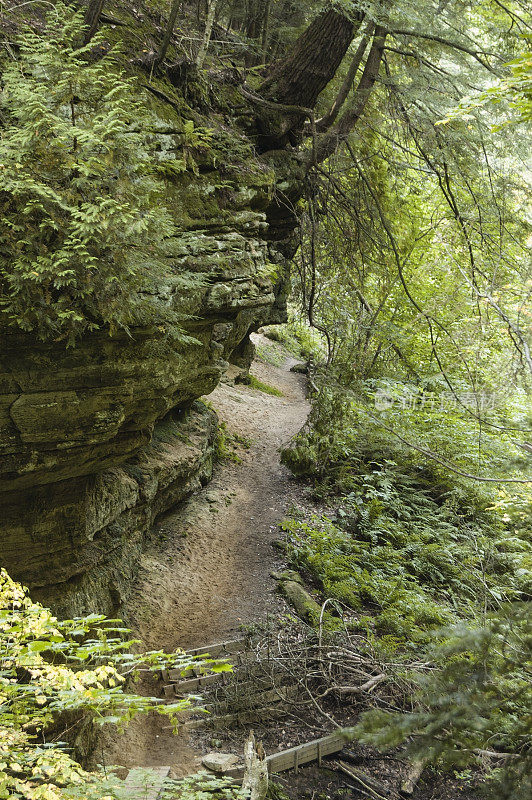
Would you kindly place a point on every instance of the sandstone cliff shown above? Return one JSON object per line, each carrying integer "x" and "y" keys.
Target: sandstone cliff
{"x": 98, "y": 439}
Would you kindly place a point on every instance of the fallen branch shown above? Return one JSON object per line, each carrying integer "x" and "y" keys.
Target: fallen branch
{"x": 376, "y": 789}
{"x": 347, "y": 690}
{"x": 494, "y": 754}
{"x": 413, "y": 775}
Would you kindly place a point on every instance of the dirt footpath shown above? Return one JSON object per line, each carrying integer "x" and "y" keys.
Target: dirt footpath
{"x": 211, "y": 571}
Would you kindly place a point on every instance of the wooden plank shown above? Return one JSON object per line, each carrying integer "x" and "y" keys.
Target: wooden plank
{"x": 305, "y": 753}
{"x": 241, "y": 669}
{"x": 192, "y": 684}
{"x": 144, "y": 783}
{"x": 234, "y": 684}
{"x": 220, "y": 648}
{"x": 253, "y": 716}
{"x": 233, "y": 648}
{"x": 235, "y": 705}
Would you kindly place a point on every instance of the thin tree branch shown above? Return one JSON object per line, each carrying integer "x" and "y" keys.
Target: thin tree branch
{"x": 447, "y": 464}
{"x": 329, "y": 118}
{"x": 434, "y": 38}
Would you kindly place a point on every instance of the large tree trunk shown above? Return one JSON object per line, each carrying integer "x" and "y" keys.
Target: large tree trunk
{"x": 330, "y": 117}
{"x": 328, "y": 143}
{"x": 299, "y": 79}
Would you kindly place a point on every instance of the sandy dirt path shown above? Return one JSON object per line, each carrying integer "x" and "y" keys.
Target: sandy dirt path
{"x": 199, "y": 588}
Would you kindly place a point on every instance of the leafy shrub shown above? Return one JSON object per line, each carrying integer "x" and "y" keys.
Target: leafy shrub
{"x": 414, "y": 548}
{"x": 418, "y": 546}
{"x": 298, "y": 338}
{"x": 51, "y": 668}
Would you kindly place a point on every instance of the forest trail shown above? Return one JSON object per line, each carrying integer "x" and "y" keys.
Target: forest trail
{"x": 209, "y": 572}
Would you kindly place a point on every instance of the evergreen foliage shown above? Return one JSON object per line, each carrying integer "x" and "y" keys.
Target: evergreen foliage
{"x": 86, "y": 237}
{"x": 476, "y": 707}
{"x": 432, "y": 565}
{"x": 515, "y": 89}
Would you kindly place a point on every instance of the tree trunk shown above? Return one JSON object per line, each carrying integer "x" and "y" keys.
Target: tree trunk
{"x": 265, "y": 30}
{"x": 255, "y": 770}
{"x": 299, "y": 79}
{"x": 202, "y": 52}
{"x": 330, "y": 117}
{"x": 330, "y": 141}
{"x": 92, "y": 18}
{"x": 176, "y": 5}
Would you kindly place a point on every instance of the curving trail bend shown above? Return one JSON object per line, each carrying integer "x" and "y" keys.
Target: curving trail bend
{"x": 210, "y": 570}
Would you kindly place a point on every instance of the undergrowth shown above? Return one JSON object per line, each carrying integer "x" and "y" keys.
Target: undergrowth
{"x": 434, "y": 565}
{"x": 269, "y": 353}
{"x": 296, "y": 337}
{"x": 407, "y": 544}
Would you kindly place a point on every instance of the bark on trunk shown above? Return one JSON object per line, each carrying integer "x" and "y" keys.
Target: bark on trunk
{"x": 299, "y": 79}
{"x": 176, "y": 5}
{"x": 255, "y": 770}
{"x": 330, "y": 141}
{"x": 330, "y": 117}
{"x": 202, "y": 52}
{"x": 92, "y": 19}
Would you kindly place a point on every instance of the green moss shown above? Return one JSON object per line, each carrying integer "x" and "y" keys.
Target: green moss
{"x": 227, "y": 445}
{"x": 255, "y": 383}
{"x": 302, "y": 602}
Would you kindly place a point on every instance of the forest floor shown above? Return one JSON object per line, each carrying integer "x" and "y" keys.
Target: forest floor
{"x": 209, "y": 570}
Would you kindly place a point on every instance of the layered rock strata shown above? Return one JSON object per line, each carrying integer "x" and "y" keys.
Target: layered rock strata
{"x": 98, "y": 439}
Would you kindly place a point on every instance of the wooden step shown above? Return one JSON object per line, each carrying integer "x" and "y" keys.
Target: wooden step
{"x": 220, "y": 649}
{"x": 305, "y": 753}
{"x": 257, "y": 706}
{"x": 196, "y": 684}
{"x": 258, "y": 699}
{"x": 144, "y": 783}
{"x": 238, "y": 679}
{"x": 248, "y": 717}
{"x": 233, "y": 648}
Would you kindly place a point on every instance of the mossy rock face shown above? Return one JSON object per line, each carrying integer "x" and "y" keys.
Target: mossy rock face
{"x": 77, "y": 543}
{"x": 87, "y": 434}
{"x": 73, "y": 420}
{"x": 76, "y": 423}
